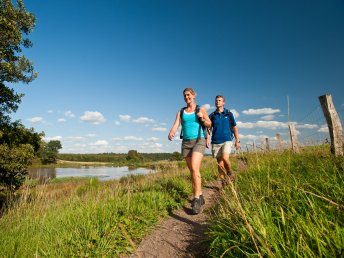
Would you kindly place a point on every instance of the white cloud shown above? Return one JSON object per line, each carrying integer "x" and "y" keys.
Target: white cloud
{"x": 50, "y": 111}
{"x": 153, "y": 139}
{"x": 143, "y": 120}
{"x": 158, "y": 145}
{"x": 132, "y": 138}
{"x": 91, "y": 135}
{"x": 54, "y": 138}
{"x": 35, "y": 120}
{"x": 252, "y": 137}
{"x": 75, "y": 138}
{"x": 100, "y": 143}
{"x": 125, "y": 118}
{"x": 235, "y": 113}
{"x": 263, "y": 124}
{"x": 323, "y": 129}
{"x": 261, "y": 111}
{"x": 268, "y": 117}
{"x": 69, "y": 114}
{"x": 206, "y": 106}
{"x": 159, "y": 129}
{"x": 93, "y": 117}
{"x": 117, "y": 122}
{"x": 61, "y": 120}
{"x": 307, "y": 126}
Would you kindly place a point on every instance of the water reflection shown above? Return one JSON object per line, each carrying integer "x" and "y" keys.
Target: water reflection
{"x": 103, "y": 173}
{"x": 42, "y": 174}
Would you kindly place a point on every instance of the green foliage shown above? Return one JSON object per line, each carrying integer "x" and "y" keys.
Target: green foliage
{"x": 14, "y": 134}
{"x": 13, "y": 164}
{"x": 176, "y": 156}
{"x": 284, "y": 205}
{"x": 133, "y": 156}
{"x": 49, "y": 152}
{"x": 14, "y": 23}
{"x": 117, "y": 159}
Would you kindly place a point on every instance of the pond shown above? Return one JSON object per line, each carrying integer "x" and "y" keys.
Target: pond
{"x": 103, "y": 173}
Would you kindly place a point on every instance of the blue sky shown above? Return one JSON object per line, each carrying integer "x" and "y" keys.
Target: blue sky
{"x": 111, "y": 73}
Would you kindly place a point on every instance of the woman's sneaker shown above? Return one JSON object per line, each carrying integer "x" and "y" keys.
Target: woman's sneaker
{"x": 196, "y": 205}
{"x": 202, "y": 200}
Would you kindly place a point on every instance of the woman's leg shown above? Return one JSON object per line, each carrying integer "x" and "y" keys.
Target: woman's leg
{"x": 195, "y": 165}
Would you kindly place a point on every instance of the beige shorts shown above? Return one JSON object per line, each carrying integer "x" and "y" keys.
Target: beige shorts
{"x": 190, "y": 146}
{"x": 219, "y": 149}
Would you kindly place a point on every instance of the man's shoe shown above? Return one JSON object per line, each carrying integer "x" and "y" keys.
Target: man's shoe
{"x": 231, "y": 176}
{"x": 201, "y": 199}
{"x": 196, "y": 205}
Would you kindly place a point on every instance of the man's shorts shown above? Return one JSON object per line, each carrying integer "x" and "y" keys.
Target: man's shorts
{"x": 194, "y": 145}
{"x": 219, "y": 149}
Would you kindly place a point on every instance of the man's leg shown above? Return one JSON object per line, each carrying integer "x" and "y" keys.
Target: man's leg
{"x": 221, "y": 168}
{"x": 227, "y": 164}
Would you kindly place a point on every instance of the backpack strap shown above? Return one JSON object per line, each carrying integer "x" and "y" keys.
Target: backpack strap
{"x": 181, "y": 112}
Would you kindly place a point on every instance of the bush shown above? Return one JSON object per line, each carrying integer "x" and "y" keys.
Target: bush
{"x": 13, "y": 164}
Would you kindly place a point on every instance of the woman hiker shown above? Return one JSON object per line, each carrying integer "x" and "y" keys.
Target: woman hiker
{"x": 193, "y": 119}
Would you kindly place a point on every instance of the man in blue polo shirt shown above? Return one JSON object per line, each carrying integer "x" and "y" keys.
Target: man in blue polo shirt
{"x": 222, "y": 129}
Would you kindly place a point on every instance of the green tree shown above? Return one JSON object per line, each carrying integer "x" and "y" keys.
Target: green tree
{"x": 15, "y": 24}
{"x": 176, "y": 156}
{"x": 133, "y": 155}
{"x": 50, "y": 151}
{"x": 13, "y": 164}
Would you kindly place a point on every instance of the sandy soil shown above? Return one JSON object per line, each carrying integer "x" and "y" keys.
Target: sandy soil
{"x": 181, "y": 234}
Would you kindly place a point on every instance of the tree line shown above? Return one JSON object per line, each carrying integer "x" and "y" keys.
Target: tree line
{"x": 133, "y": 157}
{"x": 18, "y": 145}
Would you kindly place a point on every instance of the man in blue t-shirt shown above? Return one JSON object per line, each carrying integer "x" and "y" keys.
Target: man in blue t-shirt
{"x": 223, "y": 126}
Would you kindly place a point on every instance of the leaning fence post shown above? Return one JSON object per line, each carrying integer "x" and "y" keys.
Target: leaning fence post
{"x": 293, "y": 138}
{"x": 334, "y": 124}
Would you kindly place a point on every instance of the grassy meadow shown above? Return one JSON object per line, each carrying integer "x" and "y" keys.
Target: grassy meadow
{"x": 90, "y": 218}
{"x": 281, "y": 205}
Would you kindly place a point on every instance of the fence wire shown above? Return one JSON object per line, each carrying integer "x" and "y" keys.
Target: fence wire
{"x": 311, "y": 130}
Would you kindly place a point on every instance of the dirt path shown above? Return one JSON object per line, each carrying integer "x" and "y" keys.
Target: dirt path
{"x": 181, "y": 235}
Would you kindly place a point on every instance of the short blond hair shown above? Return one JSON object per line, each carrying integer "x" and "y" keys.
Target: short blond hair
{"x": 189, "y": 89}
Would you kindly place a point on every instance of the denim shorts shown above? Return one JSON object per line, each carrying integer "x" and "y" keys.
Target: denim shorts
{"x": 194, "y": 145}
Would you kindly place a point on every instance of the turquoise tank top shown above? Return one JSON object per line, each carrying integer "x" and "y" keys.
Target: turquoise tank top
{"x": 191, "y": 127}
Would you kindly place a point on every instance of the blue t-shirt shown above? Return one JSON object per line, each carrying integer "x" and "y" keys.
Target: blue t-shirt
{"x": 222, "y": 126}
{"x": 191, "y": 126}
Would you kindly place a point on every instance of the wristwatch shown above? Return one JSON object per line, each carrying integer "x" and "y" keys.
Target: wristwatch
{"x": 238, "y": 141}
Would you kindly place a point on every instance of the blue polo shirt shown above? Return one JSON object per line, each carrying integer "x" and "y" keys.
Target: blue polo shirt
{"x": 222, "y": 126}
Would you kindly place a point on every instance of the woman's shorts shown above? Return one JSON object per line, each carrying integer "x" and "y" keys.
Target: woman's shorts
{"x": 219, "y": 149}
{"x": 194, "y": 145}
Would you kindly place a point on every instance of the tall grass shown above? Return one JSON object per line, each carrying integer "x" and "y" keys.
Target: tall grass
{"x": 284, "y": 205}
{"x": 92, "y": 218}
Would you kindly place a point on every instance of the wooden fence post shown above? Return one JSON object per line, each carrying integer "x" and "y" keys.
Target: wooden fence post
{"x": 279, "y": 142}
{"x": 293, "y": 138}
{"x": 334, "y": 125}
{"x": 267, "y": 145}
